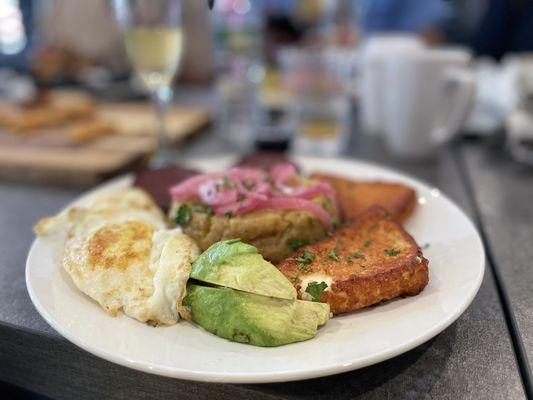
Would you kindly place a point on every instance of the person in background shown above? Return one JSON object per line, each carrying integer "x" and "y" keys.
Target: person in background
{"x": 425, "y": 17}
{"x": 493, "y": 27}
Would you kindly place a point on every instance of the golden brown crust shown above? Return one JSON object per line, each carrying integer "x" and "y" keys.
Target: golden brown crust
{"x": 371, "y": 259}
{"x": 354, "y": 197}
{"x": 120, "y": 245}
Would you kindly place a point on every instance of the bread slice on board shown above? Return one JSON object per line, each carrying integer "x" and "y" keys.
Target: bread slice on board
{"x": 369, "y": 260}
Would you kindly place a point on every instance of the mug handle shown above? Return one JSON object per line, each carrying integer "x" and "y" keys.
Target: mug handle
{"x": 464, "y": 84}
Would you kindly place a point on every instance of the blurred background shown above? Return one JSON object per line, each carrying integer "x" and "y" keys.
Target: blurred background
{"x": 82, "y": 84}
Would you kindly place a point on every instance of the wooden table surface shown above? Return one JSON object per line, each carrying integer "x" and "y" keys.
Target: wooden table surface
{"x": 485, "y": 354}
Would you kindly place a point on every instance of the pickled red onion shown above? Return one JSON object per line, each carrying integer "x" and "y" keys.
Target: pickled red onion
{"x": 189, "y": 188}
{"x": 312, "y": 191}
{"x": 242, "y": 190}
{"x": 210, "y": 194}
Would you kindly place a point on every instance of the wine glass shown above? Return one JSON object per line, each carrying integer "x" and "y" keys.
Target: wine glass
{"x": 154, "y": 43}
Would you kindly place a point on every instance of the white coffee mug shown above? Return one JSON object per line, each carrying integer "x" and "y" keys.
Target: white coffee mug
{"x": 375, "y": 51}
{"x": 429, "y": 95}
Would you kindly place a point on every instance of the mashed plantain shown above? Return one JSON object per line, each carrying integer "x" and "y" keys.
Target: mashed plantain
{"x": 271, "y": 231}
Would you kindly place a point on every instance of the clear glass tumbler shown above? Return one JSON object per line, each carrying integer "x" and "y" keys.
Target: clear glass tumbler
{"x": 319, "y": 108}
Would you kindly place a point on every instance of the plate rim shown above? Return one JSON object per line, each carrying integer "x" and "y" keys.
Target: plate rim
{"x": 266, "y": 377}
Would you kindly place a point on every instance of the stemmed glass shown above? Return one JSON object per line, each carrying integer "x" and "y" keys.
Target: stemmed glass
{"x": 154, "y": 42}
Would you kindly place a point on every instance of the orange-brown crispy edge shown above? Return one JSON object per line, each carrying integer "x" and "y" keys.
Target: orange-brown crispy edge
{"x": 353, "y": 196}
{"x": 403, "y": 276}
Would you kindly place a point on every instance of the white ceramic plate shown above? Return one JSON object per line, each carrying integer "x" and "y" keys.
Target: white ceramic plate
{"x": 346, "y": 343}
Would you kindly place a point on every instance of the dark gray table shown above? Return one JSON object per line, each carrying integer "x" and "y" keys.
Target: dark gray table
{"x": 475, "y": 358}
{"x": 503, "y": 193}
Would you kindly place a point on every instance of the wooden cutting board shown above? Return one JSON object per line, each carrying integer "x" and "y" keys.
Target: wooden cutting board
{"x": 51, "y": 155}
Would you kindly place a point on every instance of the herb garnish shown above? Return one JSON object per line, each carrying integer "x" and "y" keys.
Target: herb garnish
{"x": 367, "y": 243}
{"x": 295, "y": 244}
{"x": 200, "y": 208}
{"x": 229, "y": 214}
{"x": 305, "y": 258}
{"x": 334, "y": 255}
{"x": 227, "y": 184}
{"x": 316, "y": 289}
{"x": 183, "y": 216}
{"x": 358, "y": 254}
{"x": 392, "y": 252}
{"x": 295, "y": 278}
{"x": 203, "y": 209}
{"x": 348, "y": 259}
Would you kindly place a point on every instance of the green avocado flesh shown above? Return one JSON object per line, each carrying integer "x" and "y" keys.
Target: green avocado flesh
{"x": 237, "y": 265}
{"x": 254, "y": 319}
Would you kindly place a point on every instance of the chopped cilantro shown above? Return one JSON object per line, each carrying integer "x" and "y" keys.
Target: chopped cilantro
{"x": 226, "y": 184}
{"x": 392, "y": 252}
{"x": 183, "y": 216}
{"x": 229, "y": 214}
{"x": 358, "y": 254}
{"x": 334, "y": 255}
{"x": 348, "y": 259}
{"x": 295, "y": 278}
{"x": 295, "y": 244}
{"x": 367, "y": 243}
{"x": 203, "y": 209}
{"x": 304, "y": 268}
{"x": 329, "y": 233}
{"x": 335, "y": 224}
{"x": 199, "y": 208}
{"x": 305, "y": 258}
{"x": 316, "y": 289}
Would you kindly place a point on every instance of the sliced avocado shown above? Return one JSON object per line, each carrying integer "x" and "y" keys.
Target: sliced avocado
{"x": 254, "y": 319}
{"x": 237, "y": 265}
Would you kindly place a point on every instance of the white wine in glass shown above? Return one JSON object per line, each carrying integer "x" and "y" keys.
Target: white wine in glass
{"x": 154, "y": 42}
{"x": 155, "y": 52}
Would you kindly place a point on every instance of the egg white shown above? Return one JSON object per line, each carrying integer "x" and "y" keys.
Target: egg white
{"x": 118, "y": 251}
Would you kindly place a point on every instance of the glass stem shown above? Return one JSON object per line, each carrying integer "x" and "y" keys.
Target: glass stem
{"x": 162, "y": 96}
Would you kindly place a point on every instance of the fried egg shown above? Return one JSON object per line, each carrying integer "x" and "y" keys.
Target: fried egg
{"x": 118, "y": 251}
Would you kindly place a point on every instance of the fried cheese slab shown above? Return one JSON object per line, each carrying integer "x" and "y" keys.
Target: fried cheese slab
{"x": 369, "y": 260}
{"x": 354, "y": 196}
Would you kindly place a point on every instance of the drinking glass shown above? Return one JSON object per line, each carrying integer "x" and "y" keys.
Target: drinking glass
{"x": 319, "y": 110}
{"x": 154, "y": 43}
